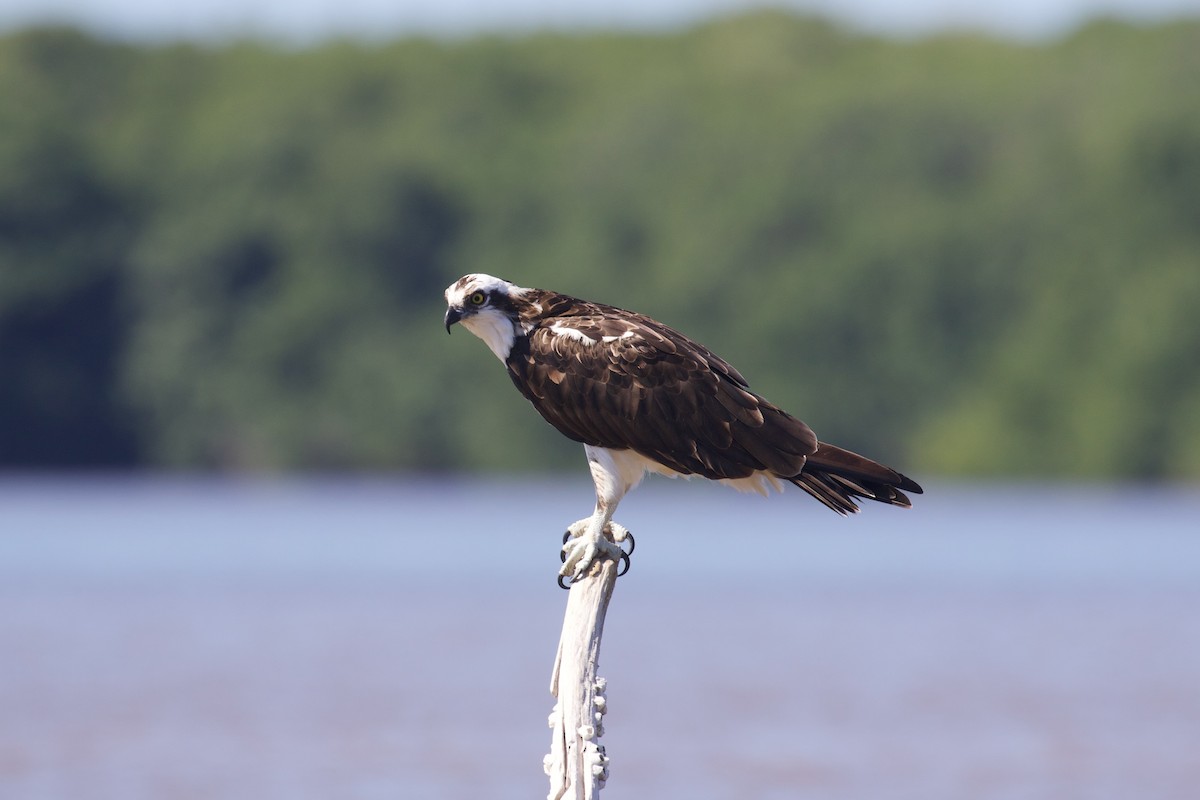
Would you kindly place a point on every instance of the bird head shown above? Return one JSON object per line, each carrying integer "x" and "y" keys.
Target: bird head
{"x": 487, "y": 307}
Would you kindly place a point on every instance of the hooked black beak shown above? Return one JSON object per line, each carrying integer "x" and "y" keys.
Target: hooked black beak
{"x": 453, "y": 315}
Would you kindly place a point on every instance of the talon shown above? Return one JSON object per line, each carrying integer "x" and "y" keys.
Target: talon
{"x": 624, "y": 561}
{"x": 562, "y": 554}
{"x": 583, "y": 545}
{"x": 562, "y": 584}
{"x": 632, "y": 543}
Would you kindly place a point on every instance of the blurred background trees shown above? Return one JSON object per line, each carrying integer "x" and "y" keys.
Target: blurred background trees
{"x": 969, "y": 256}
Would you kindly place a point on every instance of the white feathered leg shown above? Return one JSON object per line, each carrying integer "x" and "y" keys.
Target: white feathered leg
{"x": 613, "y": 476}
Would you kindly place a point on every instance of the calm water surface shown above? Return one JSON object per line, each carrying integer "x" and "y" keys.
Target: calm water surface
{"x": 394, "y": 638}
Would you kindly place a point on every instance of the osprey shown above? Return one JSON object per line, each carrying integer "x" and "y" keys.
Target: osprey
{"x": 642, "y": 397}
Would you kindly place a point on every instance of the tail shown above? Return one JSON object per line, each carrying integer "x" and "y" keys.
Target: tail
{"x": 836, "y": 477}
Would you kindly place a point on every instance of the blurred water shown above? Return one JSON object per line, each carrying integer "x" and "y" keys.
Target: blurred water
{"x": 379, "y": 638}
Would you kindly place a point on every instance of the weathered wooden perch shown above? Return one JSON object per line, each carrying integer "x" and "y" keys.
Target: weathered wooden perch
{"x": 577, "y": 765}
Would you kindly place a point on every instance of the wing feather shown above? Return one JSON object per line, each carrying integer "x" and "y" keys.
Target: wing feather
{"x": 615, "y": 379}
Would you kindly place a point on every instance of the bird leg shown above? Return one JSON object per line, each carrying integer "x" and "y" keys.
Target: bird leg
{"x": 590, "y": 539}
{"x": 598, "y": 536}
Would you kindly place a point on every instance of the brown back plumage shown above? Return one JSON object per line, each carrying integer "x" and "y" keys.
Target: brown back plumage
{"x": 621, "y": 380}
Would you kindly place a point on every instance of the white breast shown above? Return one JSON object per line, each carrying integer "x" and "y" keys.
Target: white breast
{"x": 495, "y": 329}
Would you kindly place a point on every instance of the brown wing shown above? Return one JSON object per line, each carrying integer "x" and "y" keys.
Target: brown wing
{"x": 615, "y": 379}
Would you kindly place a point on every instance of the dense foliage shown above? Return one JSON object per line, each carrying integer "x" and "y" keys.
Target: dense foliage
{"x": 963, "y": 255}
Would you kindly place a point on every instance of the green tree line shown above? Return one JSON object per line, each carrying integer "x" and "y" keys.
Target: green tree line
{"x": 964, "y": 255}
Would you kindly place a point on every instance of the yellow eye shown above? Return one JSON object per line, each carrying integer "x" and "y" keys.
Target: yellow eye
{"x": 477, "y": 298}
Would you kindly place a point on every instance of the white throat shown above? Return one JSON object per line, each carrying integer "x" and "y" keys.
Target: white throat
{"x": 495, "y": 329}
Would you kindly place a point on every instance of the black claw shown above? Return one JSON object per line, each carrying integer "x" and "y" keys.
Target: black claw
{"x": 566, "y": 536}
{"x": 632, "y": 543}
{"x": 562, "y": 584}
{"x": 624, "y": 561}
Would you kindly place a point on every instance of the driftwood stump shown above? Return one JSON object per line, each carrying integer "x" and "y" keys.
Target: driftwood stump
{"x": 577, "y": 765}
